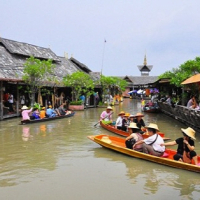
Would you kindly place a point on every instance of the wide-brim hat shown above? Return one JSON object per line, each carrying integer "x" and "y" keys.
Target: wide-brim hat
{"x": 133, "y": 125}
{"x": 139, "y": 115}
{"x": 189, "y": 132}
{"x": 132, "y": 116}
{"x": 127, "y": 115}
{"x": 24, "y": 107}
{"x": 121, "y": 113}
{"x": 154, "y": 126}
{"x": 109, "y": 108}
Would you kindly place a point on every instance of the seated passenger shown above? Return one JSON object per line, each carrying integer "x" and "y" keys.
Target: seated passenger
{"x": 42, "y": 113}
{"x": 62, "y": 110}
{"x": 134, "y": 137}
{"x": 50, "y": 112}
{"x": 185, "y": 145}
{"x": 125, "y": 122}
{"x": 36, "y": 114}
{"x": 152, "y": 144}
{"x": 118, "y": 124}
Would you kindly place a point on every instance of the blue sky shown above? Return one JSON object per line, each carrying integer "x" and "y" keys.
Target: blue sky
{"x": 167, "y": 31}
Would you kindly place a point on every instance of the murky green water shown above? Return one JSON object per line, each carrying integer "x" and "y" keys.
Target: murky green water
{"x": 55, "y": 160}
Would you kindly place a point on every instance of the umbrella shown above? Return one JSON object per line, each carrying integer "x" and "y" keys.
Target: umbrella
{"x": 192, "y": 79}
{"x": 139, "y": 91}
{"x": 132, "y": 91}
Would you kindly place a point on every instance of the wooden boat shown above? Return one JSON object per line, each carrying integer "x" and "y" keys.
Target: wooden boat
{"x": 46, "y": 119}
{"x": 112, "y": 129}
{"x": 118, "y": 144}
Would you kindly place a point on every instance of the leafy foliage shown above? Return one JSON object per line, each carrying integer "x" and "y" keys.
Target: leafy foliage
{"x": 184, "y": 71}
{"x": 80, "y": 83}
{"x": 112, "y": 85}
{"x": 36, "y": 73}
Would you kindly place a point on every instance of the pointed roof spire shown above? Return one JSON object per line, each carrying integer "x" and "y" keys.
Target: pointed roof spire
{"x": 145, "y": 60}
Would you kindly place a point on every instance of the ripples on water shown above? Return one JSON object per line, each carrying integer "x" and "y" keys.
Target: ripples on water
{"x": 55, "y": 160}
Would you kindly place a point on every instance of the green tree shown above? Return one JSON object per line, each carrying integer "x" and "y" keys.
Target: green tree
{"x": 112, "y": 85}
{"x": 80, "y": 83}
{"x": 36, "y": 74}
{"x": 184, "y": 71}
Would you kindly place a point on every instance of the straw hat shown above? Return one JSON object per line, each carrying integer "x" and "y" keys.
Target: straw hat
{"x": 106, "y": 139}
{"x": 43, "y": 108}
{"x": 132, "y": 116}
{"x": 121, "y": 113}
{"x": 139, "y": 115}
{"x": 127, "y": 115}
{"x": 50, "y": 106}
{"x": 133, "y": 125}
{"x": 24, "y": 107}
{"x": 189, "y": 132}
{"x": 154, "y": 126}
{"x": 109, "y": 108}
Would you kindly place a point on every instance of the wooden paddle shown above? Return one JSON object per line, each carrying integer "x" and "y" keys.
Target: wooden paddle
{"x": 104, "y": 118}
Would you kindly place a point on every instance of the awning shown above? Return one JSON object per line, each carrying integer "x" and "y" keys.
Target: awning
{"x": 192, "y": 79}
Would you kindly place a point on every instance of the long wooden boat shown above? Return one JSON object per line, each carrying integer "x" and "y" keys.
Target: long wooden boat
{"x": 118, "y": 144}
{"x": 46, "y": 119}
{"x": 112, "y": 129}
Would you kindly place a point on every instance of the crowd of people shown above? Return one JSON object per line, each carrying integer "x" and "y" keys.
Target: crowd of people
{"x": 35, "y": 113}
{"x": 154, "y": 144}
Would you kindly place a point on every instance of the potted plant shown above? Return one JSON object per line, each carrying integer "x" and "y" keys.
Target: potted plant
{"x": 80, "y": 83}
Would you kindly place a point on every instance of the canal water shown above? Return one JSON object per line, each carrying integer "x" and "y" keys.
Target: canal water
{"x": 56, "y": 160}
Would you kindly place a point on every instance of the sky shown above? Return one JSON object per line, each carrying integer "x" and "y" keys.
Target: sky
{"x": 108, "y": 36}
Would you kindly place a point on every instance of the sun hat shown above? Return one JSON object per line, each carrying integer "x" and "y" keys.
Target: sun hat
{"x": 106, "y": 139}
{"x": 50, "y": 106}
{"x": 121, "y": 113}
{"x": 43, "y": 108}
{"x": 109, "y": 108}
{"x": 24, "y": 107}
{"x": 189, "y": 132}
{"x": 154, "y": 126}
{"x": 133, "y": 125}
{"x": 139, "y": 115}
{"x": 131, "y": 116}
{"x": 127, "y": 115}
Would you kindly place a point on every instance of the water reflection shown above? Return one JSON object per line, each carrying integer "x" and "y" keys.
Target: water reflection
{"x": 154, "y": 178}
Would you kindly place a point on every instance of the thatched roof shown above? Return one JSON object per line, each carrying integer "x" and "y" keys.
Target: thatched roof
{"x": 13, "y": 55}
{"x": 28, "y": 50}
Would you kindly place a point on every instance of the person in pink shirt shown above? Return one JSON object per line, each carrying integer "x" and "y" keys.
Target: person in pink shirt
{"x": 25, "y": 113}
{"x": 106, "y": 115}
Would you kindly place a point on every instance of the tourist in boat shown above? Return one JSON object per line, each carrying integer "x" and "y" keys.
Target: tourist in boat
{"x": 139, "y": 121}
{"x": 62, "y": 110}
{"x": 50, "y": 112}
{"x": 56, "y": 109}
{"x": 152, "y": 144}
{"x": 43, "y": 113}
{"x": 118, "y": 124}
{"x": 106, "y": 115}
{"x": 36, "y": 114}
{"x": 125, "y": 122}
{"x": 130, "y": 119}
{"x": 134, "y": 137}
{"x": 185, "y": 143}
{"x": 25, "y": 113}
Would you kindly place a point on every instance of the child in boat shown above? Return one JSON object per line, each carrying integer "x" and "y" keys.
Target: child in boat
{"x": 25, "y": 113}
{"x": 134, "y": 137}
{"x": 185, "y": 143}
